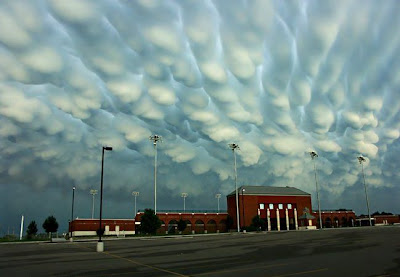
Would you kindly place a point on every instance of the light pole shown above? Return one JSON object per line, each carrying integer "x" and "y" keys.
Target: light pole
{"x": 136, "y": 194}
{"x": 184, "y": 195}
{"x": 72, "y": 211}
{"x": 218, "y": 196}
{"x": 313, "y": 156}
{"x": 362, "y": 160}
{"x": 234, "y": 147}
{"x": 100, "y": 245}
{"x": 243, "y": 190}
{"x": 155, "y": 139}
{"x": 93, "y": 192}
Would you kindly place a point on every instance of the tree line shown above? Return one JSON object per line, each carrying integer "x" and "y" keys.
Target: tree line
{"x": 50, "y": 225}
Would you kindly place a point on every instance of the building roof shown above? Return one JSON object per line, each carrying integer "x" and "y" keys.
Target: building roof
{"x": 268, "y": 190}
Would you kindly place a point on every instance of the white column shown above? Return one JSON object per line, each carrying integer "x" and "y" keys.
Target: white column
{"x": 287, "y": 219}
{"x": 269, "y": 219}
{"x": 278, "y": 219}
{"x": 295, "y": 219}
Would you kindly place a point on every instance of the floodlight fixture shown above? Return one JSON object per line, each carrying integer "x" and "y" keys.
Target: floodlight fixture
{"x": 313, "y": 155}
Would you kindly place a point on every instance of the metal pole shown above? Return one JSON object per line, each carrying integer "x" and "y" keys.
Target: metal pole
{"x": 319, "y": 203}
{"x": 184, "y": 195}
{"x": 135, "y": 193}
{"x": 155, "y": 178}
{"x": 366, "y": 194}
{"x": 101, "y": 193}
{"x": 218, "y": 196}
{"x": 92, "y": 206}
{"x": 244, "y": 225}
{"x": 135, "y": 206}
{"x": 237, "y": 196}
{"x": 314, "y": 155}
{"x": 72, "y": 211}
{"x": 155, "y": 138}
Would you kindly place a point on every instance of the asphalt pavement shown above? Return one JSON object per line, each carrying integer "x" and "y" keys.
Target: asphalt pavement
{"x": 366, "y": 251}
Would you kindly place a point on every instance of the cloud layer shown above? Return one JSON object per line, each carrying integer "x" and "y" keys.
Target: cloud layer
{"x": 278, "y": 78}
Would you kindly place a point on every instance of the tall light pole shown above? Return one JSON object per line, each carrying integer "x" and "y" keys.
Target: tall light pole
{"x": 184, "y": 195}
{"x": 155, "y": 139}
{"x": 218, "y": 196}
{"x": 362, "y": 160}
{"x": 93, "y": 192}
{"x": 313, "y": 156}
{"x": 234, "y": 147}
{"x": 72, "y": 211}
{"x": 136, "y": 194}
{"x": 100, "y": 245}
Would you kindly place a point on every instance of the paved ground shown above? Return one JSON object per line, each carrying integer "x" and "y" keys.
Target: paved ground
{"x": 335, "y": 252}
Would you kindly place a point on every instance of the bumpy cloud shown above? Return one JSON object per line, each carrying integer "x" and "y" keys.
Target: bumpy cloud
{"x": 278, "y": 78}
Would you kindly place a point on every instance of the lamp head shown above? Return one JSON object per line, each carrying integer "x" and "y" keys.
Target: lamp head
{"x": 107, "y": 148}
{"x": 234, "y": 146}
{"x": 313, "y": 154}
{"x": 361, "y": 159}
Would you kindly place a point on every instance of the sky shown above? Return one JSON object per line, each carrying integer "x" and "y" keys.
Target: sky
{"x": 279, "y": 78}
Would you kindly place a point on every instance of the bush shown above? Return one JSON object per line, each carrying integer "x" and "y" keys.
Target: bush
{"x": 100, "y": 231}
{"x": 149, "y": 222}
{"x": 229, "y": 222}
{"x": 250, "y": 228}
{"x": 50, "y": 225}
{"x": 259, "y": 223}
{"x": 181, "y": 225}
{"x": 32, "y": 230}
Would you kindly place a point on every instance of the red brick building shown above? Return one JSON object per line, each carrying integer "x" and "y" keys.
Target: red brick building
{"x": 280, "y": 207}
{"x": 335, "y": 218}
{"x": 196, "y": 222}
{"x": 88, "y": 227}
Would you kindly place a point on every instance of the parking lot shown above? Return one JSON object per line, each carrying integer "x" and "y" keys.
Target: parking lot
{"x": 367, "y": 251}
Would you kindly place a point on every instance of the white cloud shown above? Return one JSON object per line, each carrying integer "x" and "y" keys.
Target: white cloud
{"x": 162, "y": 95}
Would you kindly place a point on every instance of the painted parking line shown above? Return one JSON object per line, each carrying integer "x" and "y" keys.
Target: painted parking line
{"x": 144, "y": 265}
{"x": 302, "y": 272}
{"x": 236, "y": 270}
{"x": 137, "y": 263}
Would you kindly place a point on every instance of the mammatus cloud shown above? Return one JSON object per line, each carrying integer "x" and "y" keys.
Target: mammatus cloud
{"x": 278, "y": 78}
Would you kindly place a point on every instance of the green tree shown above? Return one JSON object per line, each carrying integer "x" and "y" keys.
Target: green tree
{"x": 259, "y": 223}
{"x": 149, "y": 222}
{"x": 50, "y": 225}
{"x": 32, "y": 230}
{"x": 182, "y": 225}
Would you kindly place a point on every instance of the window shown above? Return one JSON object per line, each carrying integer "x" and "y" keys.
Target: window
{"x": 280, "y": 206}
{"x": 261, "y": 206}
{"x": 271, "y": 206}
{"x": 289, "y": 206}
